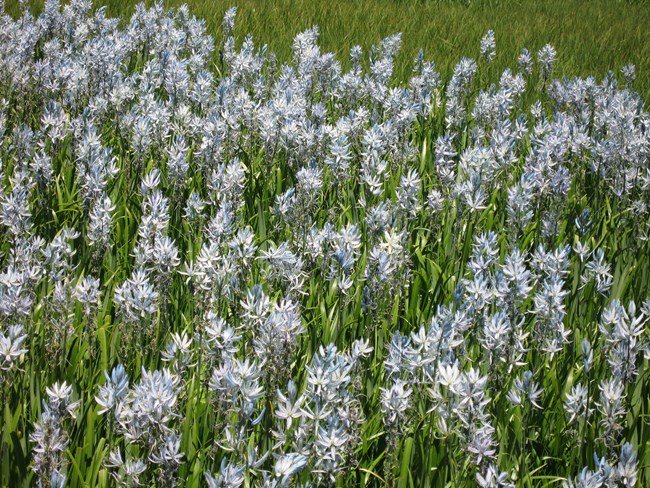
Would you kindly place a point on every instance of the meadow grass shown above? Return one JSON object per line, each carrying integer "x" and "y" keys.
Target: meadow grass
{"x": 592, "y": 37}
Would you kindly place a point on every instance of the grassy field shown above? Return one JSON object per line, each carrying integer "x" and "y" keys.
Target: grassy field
{"x": 233, "y": 273}
{"x": 591, "y": 36}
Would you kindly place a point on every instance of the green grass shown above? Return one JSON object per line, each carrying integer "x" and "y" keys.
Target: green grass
{"x": 591, "y": 36}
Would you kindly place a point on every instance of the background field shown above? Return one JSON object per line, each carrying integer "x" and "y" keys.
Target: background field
{"x": 591, "y": 36}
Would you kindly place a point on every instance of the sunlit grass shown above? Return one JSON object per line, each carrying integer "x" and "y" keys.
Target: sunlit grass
{"x": 591, "y": 36}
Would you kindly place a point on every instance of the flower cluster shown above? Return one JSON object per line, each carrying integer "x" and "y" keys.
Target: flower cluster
{"x": 308, "y": 274}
